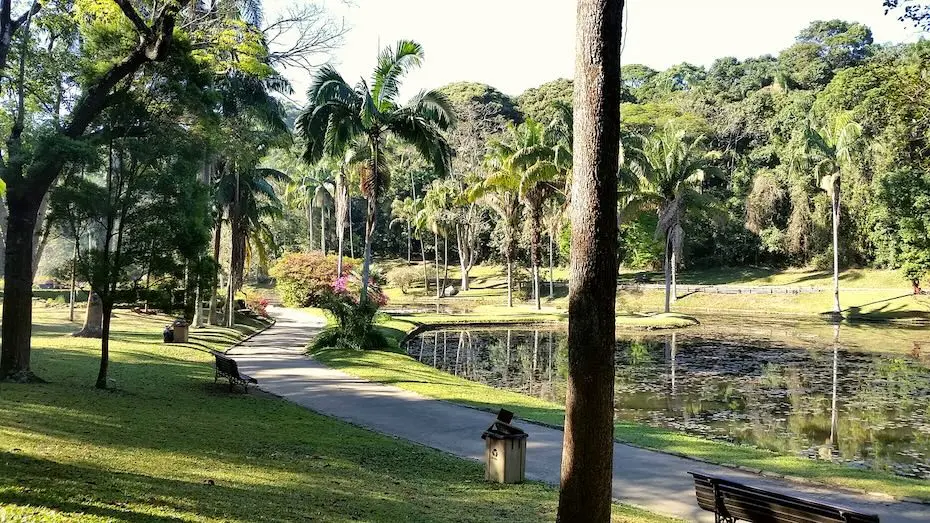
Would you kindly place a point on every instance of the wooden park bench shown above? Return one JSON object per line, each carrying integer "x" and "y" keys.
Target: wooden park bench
{"x": 731, "y": 501}
{"x": 226, "y": 367}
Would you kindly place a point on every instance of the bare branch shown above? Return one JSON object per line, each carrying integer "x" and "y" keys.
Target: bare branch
{"x": 303, "y": 36}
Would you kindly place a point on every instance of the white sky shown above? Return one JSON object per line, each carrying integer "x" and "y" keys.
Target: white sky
{"x": 517, "y": 44}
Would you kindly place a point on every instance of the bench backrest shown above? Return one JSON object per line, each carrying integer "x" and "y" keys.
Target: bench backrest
{"x": 226, "y": 365}
{"x": 735, "y": 500}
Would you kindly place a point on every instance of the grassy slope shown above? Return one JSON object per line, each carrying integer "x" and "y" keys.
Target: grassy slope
{"x": 864, "y": 293}
{"x": 402, "y": 371}
{"x": 166, "y": 443}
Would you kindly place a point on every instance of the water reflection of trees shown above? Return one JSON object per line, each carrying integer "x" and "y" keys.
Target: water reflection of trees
{"x": 867, "y": 408}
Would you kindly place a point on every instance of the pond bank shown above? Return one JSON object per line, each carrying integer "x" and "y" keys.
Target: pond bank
{"x": 395, "y": 368}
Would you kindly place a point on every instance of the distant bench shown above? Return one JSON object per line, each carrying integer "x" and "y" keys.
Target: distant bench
{"x": 731, "y": 501}
{"x": 226, "y": 367}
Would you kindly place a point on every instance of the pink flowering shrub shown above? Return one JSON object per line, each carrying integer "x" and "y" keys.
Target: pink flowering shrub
{"x": 354, "y": 317}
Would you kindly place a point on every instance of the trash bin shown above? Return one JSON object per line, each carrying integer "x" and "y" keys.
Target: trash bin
{"x": 505, "y": 450}
{"x": 180, "y": 331}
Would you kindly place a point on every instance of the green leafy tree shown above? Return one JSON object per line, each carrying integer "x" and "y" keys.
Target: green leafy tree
{"x": 337, "y": 114}
{"x": 904, "y": 221}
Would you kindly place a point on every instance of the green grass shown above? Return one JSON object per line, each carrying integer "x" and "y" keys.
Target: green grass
{"x": 165, "y": 443}
{"x": 865, "y": 294}
{"x": 401, "y": 371}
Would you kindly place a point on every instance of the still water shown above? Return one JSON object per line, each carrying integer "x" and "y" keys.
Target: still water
{"x": 854, "y": 395}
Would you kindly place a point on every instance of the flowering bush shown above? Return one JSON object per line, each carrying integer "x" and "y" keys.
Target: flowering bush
{"x": 354, "y": 317}
{"x": 257, "y": 304}
{"x": 303, "y": 278}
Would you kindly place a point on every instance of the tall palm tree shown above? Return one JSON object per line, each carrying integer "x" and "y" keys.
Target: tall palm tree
{"x": 250, "y": 199}
{"x": 437, "y": 214}
{"x": 530, "y": 161}
{"x": 671, "y": 168}
{"x": 500, "y": 191}
{"x": 405, "y": 212}
{"x": 830, "y": 152}
{"x": 311, "y": 187}
{"x": 337, "y": 114}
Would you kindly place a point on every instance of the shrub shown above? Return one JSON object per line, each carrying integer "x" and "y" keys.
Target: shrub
{"x": 303, "y": 278}
{"x": 404, "y": 277}
{"x": 257, "y": 303}
{"x": 355, "y": 319}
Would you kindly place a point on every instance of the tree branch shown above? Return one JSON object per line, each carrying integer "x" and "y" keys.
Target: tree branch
{"x": 134, "y": 17}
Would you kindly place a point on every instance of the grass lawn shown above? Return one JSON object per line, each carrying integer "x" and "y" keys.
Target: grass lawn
{"x": 165, "y": 443}
{"x": 404, "y": 372}
{"x": 865, "y": 294}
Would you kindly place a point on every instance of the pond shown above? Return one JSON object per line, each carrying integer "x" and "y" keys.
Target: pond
{"x": 853, "y": 395}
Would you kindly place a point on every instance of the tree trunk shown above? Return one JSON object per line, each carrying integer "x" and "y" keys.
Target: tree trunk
{"x": 409, "y": 244}
{"x": 73, "y": 293}
{"x": 465, "y": 254}
{"x": 198, "y": 304}
{"x": 436, "y": 265}
{"x": 323, "y": 229}
{"x": 93, "y": 318}
{"x": 551, "y": 271}
{"x": 217, "y": 239}
{"x": 369, "y": 233}
{"x": 674, "y": 293}
{"x": 445, "y": 264}
{"x": 836, "y": 248}
{"x": 16, "y": 348}
{"x": 40, "y": 239}
{"x": 535, "y": 240}
{"x": 425, "y": 266}
{"x": 509, "y": 283}
{"x": 587, "y": 452}
{"x": 351, "y": 241}
{"x": 310, "y": 226}
{"x": 105, "y": 346}
{"x": 668, "y": 276}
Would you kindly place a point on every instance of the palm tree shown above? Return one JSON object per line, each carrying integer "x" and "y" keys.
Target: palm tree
{"x": 337, "y": 114}
{"x": 311, "y": 187}
{"x": 437, "y": 214}
{"x": 405, "y": 212}
{"x": 500, "y": 191}
{"x": 250, "y": 199}
{"x": 671, "y": 168}
{"x": 830, "y": 152}
{"x": 530, "y": 162}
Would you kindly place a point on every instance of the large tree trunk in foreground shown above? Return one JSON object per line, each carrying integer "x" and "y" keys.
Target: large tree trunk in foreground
{"x": 17, "y": 290}
{"x": 93, "y": 318}
{"x": 587, "y": 453}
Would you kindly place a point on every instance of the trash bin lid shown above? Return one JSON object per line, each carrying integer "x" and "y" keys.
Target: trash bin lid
{"x": 180, "y": 323}
{"x": 500, "y": 430}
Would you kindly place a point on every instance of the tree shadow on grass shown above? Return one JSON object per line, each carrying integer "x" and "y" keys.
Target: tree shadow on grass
{"x": 144, "y": 455}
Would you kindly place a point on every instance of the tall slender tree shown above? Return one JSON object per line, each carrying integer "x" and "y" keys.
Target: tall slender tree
{"x": 587, "y": 452}
{"x": 830, "y": 152}
{"x": 337, "y": 114}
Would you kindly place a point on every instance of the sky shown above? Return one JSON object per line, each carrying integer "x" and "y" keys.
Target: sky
{"x": 517, "y": 44}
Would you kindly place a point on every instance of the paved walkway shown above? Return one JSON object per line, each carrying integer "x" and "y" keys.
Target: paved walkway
{"x": 652, "y": 480}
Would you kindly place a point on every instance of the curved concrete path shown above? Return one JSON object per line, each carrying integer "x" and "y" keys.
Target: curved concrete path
{"x": 651, "y": 480}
